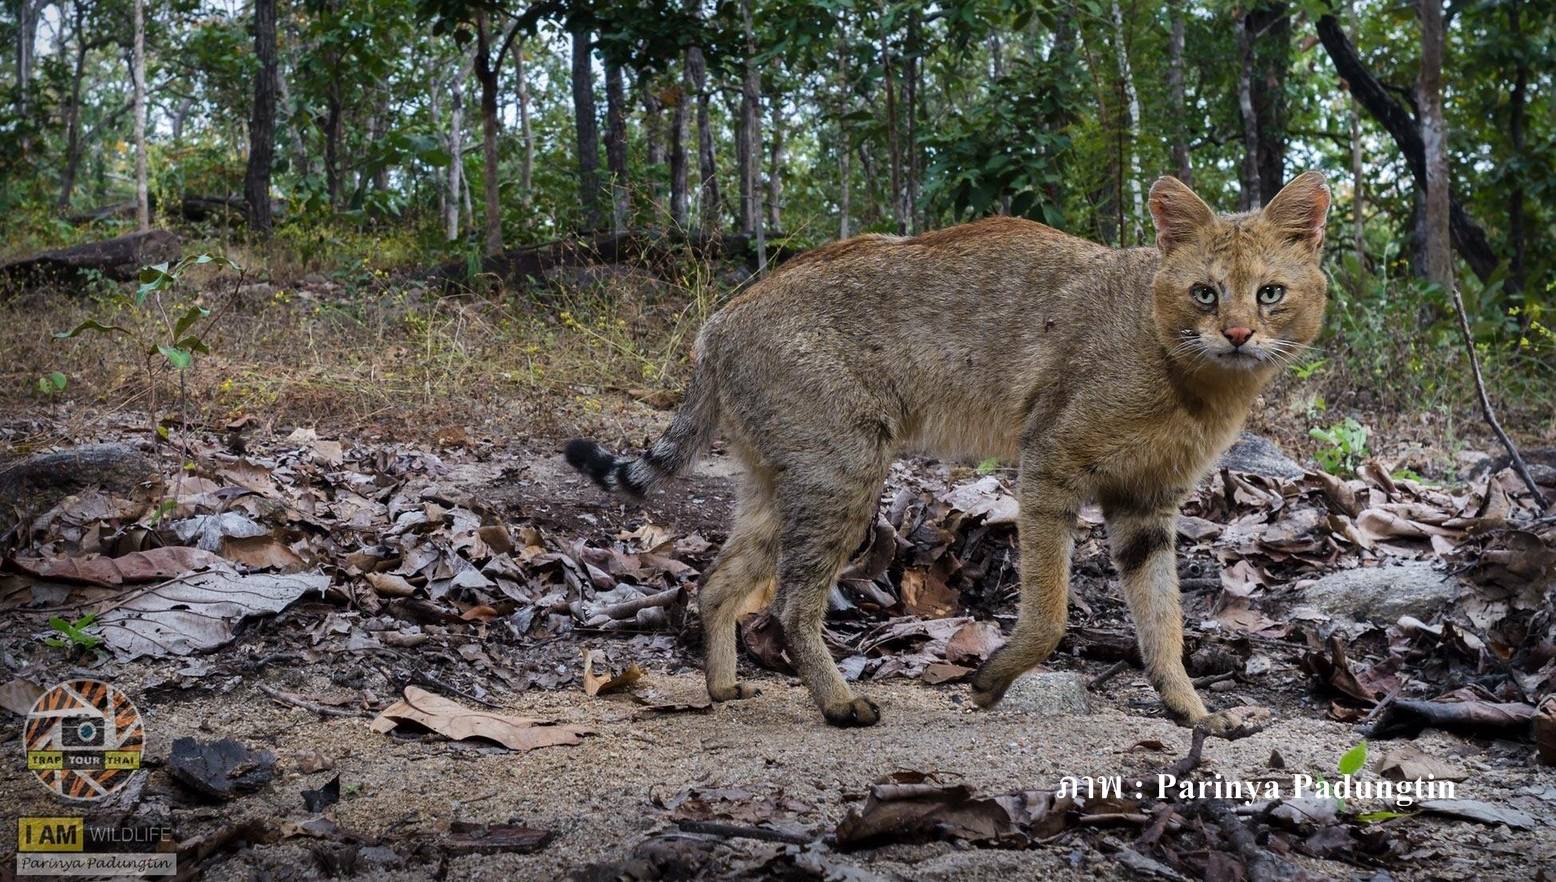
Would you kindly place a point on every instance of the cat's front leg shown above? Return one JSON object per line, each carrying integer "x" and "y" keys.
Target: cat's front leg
{"x": 1141, "y": 534}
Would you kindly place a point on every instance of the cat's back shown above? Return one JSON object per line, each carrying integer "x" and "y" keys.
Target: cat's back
{"x": 986, "y": 265}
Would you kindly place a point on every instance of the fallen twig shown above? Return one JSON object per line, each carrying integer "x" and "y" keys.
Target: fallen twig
{"x": 1485, "y": 402}
{"x": 1101, "y": 679}
{"x": 305, "y": 704}
{"x": 736, "y": 831}
{"x": 1196, "y": 752}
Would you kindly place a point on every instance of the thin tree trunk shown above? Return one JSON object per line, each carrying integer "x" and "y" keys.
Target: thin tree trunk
{"x": 67, "y": 182}
{"x": 910, "y": 98}
{"x": 1175, "y": 93}
{"x": 893, "y": 142}
{"x": 1131, "y": 124}
{"x": 588, "y": 130}
{"x": 1516, "y": 100}
{"x": 844, "y": 149}
{"x": 527, "y": 161}
{"x": 333, "y": 113}
{"x": 679, "y": 130}
{"x": 697, "y": 77}
{"x": 1249, "y": 170}
{"x": 616, "y": 145}
{"x": 1358, "y": 187}
{"x": 654, "y": 142}
{"x": 456, "y": 152}
{"x": 776, "y": 160}
{"x": 488, "y": 63}
{"x": 1434, "y": 138}
{"x": 142, "y": 196}
{"x": 751, "y": 114}
{"x": 262, "y": 121}
{"x": 26, "y": 33}
{"x": 1271, "y": 41}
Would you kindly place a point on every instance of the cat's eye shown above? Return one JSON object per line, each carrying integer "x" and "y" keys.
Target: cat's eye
{"x": 1270, "y": 294}
{"x": 1204, "y": 295}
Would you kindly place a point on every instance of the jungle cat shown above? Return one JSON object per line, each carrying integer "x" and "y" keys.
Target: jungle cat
{"x": 1110, "y": 375}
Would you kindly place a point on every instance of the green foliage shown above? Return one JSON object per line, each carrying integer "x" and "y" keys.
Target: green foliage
{"x": 1353, "y": 760}
{"x": 1345, "y": 446}
{"x": 51, "y": 384}
{"x": 73, "y": 634}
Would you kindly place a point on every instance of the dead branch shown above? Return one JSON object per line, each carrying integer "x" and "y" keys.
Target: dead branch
{"x": 1485, "y": 403}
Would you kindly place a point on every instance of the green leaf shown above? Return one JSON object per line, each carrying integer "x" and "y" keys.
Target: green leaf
{"x": 58, "y": 381}
{"x": 988, "y": 466}
{"x": 185, "y": 321}
{"x": 1352, "y": 760}
{"x": 180, "y": 359}
{"x": 90, "y": 325}
{"x": 1384, "y": 815}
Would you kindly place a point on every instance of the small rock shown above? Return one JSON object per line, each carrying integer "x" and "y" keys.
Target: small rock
{"x": 1382, "y": 595}
{"x": 1046, "y": 693}
{"x": 1252, "y": 453}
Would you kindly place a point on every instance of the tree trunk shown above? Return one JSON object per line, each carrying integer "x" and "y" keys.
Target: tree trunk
{"x": 775, "y": 169}
{"x": 332, "y": 132}
{"x": 26, "y": 33}
{"x": 616, "y": 145}
{"x": 893, "y": 141}
{"x": 679, "y": 130}
{"x": 588, "y": 130}
{"x": 488, "y": 61}
{"x": 1434, "y": 139}
{"x": 697, "y": 78}
{"x": 844, "y": 148}
{"x": 1131, "y": 124}
{"x": 67, "y": 182}
{"x": 262, "y": 121}
{"x": 1248, "y": 175}
{"x": 654, "y": 142}
{"x": 751, "y": 115}
{"x": 1516, "y": 100}
{"x": 1176, "y": 97}
{"x": 527, "y": 162}
{"x": 910, "y": 98}
{"x": 1468, "y": 237}
{"x": 1271, "y": 38}
{"x": 456, "y": 152}
{"x": 142, "y": 195}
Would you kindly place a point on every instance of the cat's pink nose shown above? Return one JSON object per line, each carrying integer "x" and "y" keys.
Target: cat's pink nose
{"x": 1238, "y": 336}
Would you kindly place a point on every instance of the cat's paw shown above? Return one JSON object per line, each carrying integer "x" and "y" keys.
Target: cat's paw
{"x": 853, "y": 713}
{"x": 734, "y": 693}
{"x": 1236, "y": 722}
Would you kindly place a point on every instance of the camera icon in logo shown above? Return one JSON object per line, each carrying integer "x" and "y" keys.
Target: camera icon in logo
{"x": 82, "y": 733}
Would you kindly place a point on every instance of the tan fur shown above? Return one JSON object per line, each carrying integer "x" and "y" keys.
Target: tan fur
{"x": 1092, "y": 368}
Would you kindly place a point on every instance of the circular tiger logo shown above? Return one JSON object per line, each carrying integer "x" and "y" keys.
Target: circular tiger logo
{"x": 84, "y": 739}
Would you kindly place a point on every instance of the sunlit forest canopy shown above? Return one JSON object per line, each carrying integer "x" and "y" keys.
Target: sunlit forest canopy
{"x": 466, "y": 127}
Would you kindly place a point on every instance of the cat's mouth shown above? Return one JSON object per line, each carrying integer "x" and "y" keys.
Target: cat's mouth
{"x": 1243, "y": 359}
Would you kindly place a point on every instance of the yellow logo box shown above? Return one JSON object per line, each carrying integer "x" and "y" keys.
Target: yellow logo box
{"x": 121, "y": 759}
{"x": 45, "y": 760}
{"x": 50, "y": 834}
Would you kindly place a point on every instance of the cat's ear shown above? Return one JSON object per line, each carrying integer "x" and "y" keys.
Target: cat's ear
{"x": 1299, "y": 209}
{"x": 1178, "y": 213}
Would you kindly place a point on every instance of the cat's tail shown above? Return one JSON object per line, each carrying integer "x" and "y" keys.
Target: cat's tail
{"x": 690, "y": 433}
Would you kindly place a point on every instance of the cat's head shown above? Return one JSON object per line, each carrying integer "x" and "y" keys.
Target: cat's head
{"x": 1241, "y": 292}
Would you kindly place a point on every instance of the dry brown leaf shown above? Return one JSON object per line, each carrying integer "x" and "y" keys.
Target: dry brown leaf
{"x": 457, "y": 722}
{"x": 1406, "y": 762}
{"x": 154, "y": 565}
{"x": 925, "y": 593}
{"x": 1545, "y": 730}
{"x": 936, "y": 673}
{"x": 606, "y": 682}
{"x": 263, "y": 553}
{"x": 390, "y": 585}
{"x": 973, "y": 642}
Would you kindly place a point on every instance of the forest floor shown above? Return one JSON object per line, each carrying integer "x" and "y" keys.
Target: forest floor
{"x": 434, "y": 544}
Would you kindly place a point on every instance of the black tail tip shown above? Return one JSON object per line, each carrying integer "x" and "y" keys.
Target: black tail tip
{"x": 588, "y": 457}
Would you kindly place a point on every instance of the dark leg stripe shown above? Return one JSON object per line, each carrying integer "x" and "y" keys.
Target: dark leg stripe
{"x": 1141, "y": 546}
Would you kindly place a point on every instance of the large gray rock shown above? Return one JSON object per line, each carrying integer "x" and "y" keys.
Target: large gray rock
{"x": 1047, "y": 692}
{"x": 1252, "y": 453}
{"x": 1381, "y": 595}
